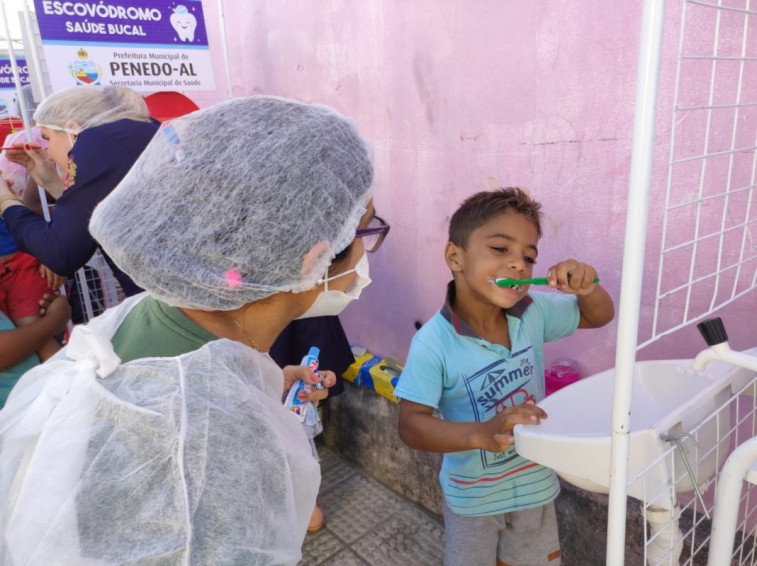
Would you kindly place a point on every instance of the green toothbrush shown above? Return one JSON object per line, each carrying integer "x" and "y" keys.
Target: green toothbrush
{"x": 507, "y": 282}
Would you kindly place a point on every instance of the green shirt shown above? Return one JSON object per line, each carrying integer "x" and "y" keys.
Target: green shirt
{"x": 153, "y": 329}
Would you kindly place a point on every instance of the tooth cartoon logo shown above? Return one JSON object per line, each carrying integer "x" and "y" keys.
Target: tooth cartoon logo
{"x": 184, "y": 23}
{"x": 84, "y": 71}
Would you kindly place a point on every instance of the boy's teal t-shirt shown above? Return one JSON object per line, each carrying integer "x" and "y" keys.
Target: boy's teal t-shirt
{"x": 9, "y": 377}
{"x": 469, "y": 379}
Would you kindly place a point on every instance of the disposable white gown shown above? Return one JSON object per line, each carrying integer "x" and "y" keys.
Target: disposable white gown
{"x": 158, "y": 461}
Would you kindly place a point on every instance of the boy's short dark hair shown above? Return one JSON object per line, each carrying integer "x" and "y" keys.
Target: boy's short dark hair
{"x": 478, "y": 209}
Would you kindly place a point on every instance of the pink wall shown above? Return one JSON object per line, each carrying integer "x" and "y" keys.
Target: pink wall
{"x": 457, "y": 95}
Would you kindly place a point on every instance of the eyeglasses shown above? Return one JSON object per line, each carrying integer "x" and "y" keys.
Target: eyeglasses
{"x": 373, "y": 234}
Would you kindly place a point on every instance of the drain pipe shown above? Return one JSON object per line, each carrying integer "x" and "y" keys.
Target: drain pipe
{"x": 727, "y": 500}
{"x": 665, "y": 536}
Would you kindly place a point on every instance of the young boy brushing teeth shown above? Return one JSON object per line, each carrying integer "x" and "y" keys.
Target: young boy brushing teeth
{"x": 479, "y": 360}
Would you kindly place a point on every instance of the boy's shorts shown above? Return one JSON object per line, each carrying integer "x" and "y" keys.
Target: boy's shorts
{"x": 21, "y": 286}
{"x": 521, "y": 538}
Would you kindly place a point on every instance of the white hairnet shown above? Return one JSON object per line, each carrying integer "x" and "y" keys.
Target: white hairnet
{"x": 188, "y": 460}
{"x": 224, "y": 204}
{"x": 90, "y": 106}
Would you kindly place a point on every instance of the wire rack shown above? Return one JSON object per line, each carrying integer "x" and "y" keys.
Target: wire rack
{"x": 693, "y": 461}
{"x": 707, "y": 260}
{"x": 708, "y": 252}
{"x": 92, "y": 290}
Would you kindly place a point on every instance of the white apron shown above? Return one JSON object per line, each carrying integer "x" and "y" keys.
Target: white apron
{"x": 161, "y": 461}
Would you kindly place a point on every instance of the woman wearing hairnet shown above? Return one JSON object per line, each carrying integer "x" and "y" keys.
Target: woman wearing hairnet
{"x": 175, "y": 448}
{"x": 95, "y": 135}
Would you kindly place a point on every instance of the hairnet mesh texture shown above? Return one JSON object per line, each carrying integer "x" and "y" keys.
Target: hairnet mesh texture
{"x": 225, "y": 203}
{"x": 90, "y": 106}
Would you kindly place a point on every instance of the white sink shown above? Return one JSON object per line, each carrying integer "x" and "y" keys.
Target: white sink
{"x": 669, "y": 398}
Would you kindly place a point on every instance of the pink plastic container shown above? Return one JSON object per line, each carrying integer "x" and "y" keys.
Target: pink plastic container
{"x": 562, "y": 372}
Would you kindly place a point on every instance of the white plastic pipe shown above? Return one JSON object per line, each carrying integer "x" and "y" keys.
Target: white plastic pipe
{"x": 665, "y": 536}
{"x": 633, "y": 267}
{"x": 727, "y": 498}
{"x": 723, "y": 352}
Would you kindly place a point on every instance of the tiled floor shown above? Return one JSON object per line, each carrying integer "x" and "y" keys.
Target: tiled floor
{"x": 367, "y": 523}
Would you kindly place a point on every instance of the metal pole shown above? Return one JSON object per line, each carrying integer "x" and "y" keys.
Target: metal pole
{"x": 30, "y": 50}
{"x": 633, "y": 267}
{"x": 16, "y": 76}
{"x": 225, "y": 48}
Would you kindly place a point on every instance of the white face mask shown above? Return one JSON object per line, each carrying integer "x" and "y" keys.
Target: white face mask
{"x": 333, "y": 302}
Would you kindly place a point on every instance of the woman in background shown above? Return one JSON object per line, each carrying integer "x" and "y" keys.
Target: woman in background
{"x": 94, "y": 134}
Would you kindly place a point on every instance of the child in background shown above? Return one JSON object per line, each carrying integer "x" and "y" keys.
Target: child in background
{"x": 479, "y": 361}
{"x": 18, "y": 345}
{"x": 22, "y": 286}
{"x": 23, "y": 280}
{"x": 14, "y": 171}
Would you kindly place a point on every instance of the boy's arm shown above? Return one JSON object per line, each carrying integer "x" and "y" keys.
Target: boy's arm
{"x": 596, "y": 308}
{"x": 18, "y": 344}
{"x": 420, "y": 430}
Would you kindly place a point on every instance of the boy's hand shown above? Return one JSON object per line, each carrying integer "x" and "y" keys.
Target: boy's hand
{"x": 575, "y": 278}
{"x": 306, "y": 374}
{"x": 497, "y": 432}
{"x": 572, "y": 277}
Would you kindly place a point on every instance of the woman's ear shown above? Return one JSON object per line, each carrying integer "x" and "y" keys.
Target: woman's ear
{"x": 312, "y": 257}
{"x": 73, "y": 125}
{"x": 453, "y": 255}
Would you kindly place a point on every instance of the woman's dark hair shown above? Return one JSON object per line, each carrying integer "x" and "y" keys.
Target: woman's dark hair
{"x": 341, "y": 257}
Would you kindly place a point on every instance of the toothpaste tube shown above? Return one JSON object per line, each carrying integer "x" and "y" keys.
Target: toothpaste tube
{"x": 306, "y": 411}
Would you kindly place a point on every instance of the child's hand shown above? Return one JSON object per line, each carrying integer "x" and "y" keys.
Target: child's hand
{"x": 497, "y": 432}
{"x": 6, "y": 185}
{"x": 306, "y": 374}
{"x": 572, "y": 277}
{"x": 9, "y": 182}
{"x": 45, "y": 301}
{"x": 54, "y": 281}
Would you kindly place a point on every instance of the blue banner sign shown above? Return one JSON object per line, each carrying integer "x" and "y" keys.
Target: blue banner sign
{"x": 8, "y": 85}
{"x": 149, "y": 45}
{"x": 156, "y": 22}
